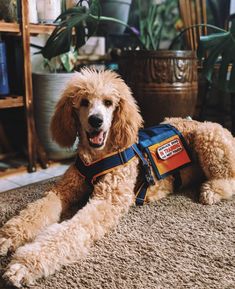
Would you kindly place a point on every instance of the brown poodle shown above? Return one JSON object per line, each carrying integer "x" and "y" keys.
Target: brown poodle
{"x": 99, "y": 108}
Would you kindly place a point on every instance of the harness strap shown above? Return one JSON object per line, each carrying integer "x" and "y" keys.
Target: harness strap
{"x": 145, "y": 166}
{"x": 101, "y": 167}
{"x": 141, "y": 194}
{"x": 142, "y": 190}
{"x": 92, "y": 171}
{"x": 178, "y": 180}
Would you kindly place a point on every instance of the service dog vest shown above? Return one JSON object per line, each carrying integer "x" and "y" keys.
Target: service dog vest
{"x": 162, "y": 148}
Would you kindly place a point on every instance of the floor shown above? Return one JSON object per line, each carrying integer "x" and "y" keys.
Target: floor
{"x": 19, "y": 179}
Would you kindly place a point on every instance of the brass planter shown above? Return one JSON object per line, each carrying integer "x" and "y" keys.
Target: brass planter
{"x": 164, "y": 83}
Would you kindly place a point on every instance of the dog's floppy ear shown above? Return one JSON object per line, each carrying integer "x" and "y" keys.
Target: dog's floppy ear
{"x": 63, "y": 123}
{"x": 127, "y": 120}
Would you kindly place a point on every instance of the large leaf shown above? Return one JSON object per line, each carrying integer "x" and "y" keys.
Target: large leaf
{"x": 78, "y": 10}
{"x": 212, "y": 40}
{"x": 211, "y": 59}
{"x": 57, "y": 45}
{"x": 220, "y": 46}
{"x": 80, "y": 31}
{"x": 79, "y": 18}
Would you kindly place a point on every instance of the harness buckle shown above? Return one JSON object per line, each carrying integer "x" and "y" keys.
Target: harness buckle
{"x": 148, "y": 175}
{"x": 123, "y": 157}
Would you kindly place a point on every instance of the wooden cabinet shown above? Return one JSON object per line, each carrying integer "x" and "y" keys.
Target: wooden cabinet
{"x": 23, "y": 30}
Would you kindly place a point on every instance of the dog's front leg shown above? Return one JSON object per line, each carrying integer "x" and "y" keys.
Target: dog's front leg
{"x": 64, "y": 243}
{"x": 29, "y": 222}
{"x": 41, "y": 213}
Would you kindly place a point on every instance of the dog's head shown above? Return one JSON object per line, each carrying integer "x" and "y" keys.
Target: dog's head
{"x": 98, "y": 107}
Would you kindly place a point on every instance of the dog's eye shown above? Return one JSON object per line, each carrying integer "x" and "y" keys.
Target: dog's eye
{"x": 84, "y": 102}
{"x": 108, "y": 102}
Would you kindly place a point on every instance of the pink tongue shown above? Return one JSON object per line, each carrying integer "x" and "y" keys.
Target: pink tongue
{"x": 98, "y": 139}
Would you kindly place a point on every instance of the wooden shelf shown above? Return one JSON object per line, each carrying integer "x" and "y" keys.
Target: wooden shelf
{"x": 41, "y": 28}
{"x": 34, "y": 28}
{"x": 9, "y": 27}
{"x": 23, "y": 30}
{"x": 11, "y": 101}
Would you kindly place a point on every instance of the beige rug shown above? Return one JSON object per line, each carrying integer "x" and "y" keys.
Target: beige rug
{"x": 176, "y": 243}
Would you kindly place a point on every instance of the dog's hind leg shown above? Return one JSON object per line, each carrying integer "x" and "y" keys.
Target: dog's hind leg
{"x": 216, "y": 151}
{"x": 160, "y": 190}
{"x": 215, "y": 190}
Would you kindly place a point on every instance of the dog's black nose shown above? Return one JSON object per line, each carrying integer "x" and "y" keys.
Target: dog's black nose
{"x": 95, "y": 120}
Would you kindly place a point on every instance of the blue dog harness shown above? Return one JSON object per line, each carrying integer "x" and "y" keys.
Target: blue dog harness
{"x": 162, "y": 148}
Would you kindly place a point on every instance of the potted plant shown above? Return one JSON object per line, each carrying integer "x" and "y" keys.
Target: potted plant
{"x": 74, "y": 26}
{"x": 48, "y": 84}
{"x": 164, "y": 82}
{"x": 218, "y": 50}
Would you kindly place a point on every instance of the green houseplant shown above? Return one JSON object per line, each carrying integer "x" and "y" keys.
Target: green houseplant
{"x": 217, "y": 52}
{"x": 82, "y": 21}
{"x": 220, "y": 48}
{"x": 164, "y": 82}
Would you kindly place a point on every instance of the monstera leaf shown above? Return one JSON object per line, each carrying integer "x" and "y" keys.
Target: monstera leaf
{"x": 220, "y": 48}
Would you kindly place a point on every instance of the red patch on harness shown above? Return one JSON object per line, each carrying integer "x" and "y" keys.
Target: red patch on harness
{"x": 169, "y": 149}
{"x": 169, "y": 154}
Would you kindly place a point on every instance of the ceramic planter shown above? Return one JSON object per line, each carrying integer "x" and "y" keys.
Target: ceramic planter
{"x": 118, "y": 9}
{"x": 47, "y": 89}
{"x": 164, "y": 83}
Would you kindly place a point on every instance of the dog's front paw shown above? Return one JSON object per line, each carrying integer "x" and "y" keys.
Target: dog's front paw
{"x": 5, "y": 246}
{"x": 18, "y": 275}
{"x": 209, "y": 197}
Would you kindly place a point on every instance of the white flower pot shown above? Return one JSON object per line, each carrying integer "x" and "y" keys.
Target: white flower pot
{"x": 47, "y": 89}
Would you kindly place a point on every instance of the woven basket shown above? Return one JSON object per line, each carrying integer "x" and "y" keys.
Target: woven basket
{"x": 47, "y": 89}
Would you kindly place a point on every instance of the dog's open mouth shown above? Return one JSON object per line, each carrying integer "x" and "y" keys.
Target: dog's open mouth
{"x": 96, "y": 138}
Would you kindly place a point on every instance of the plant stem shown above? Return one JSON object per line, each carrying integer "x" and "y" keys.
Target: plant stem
{"x": 140, "y": 17}
{"x": 108, "y": 19}
{"x": 194, "y": 26}
{"x": 159, "y": 37}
